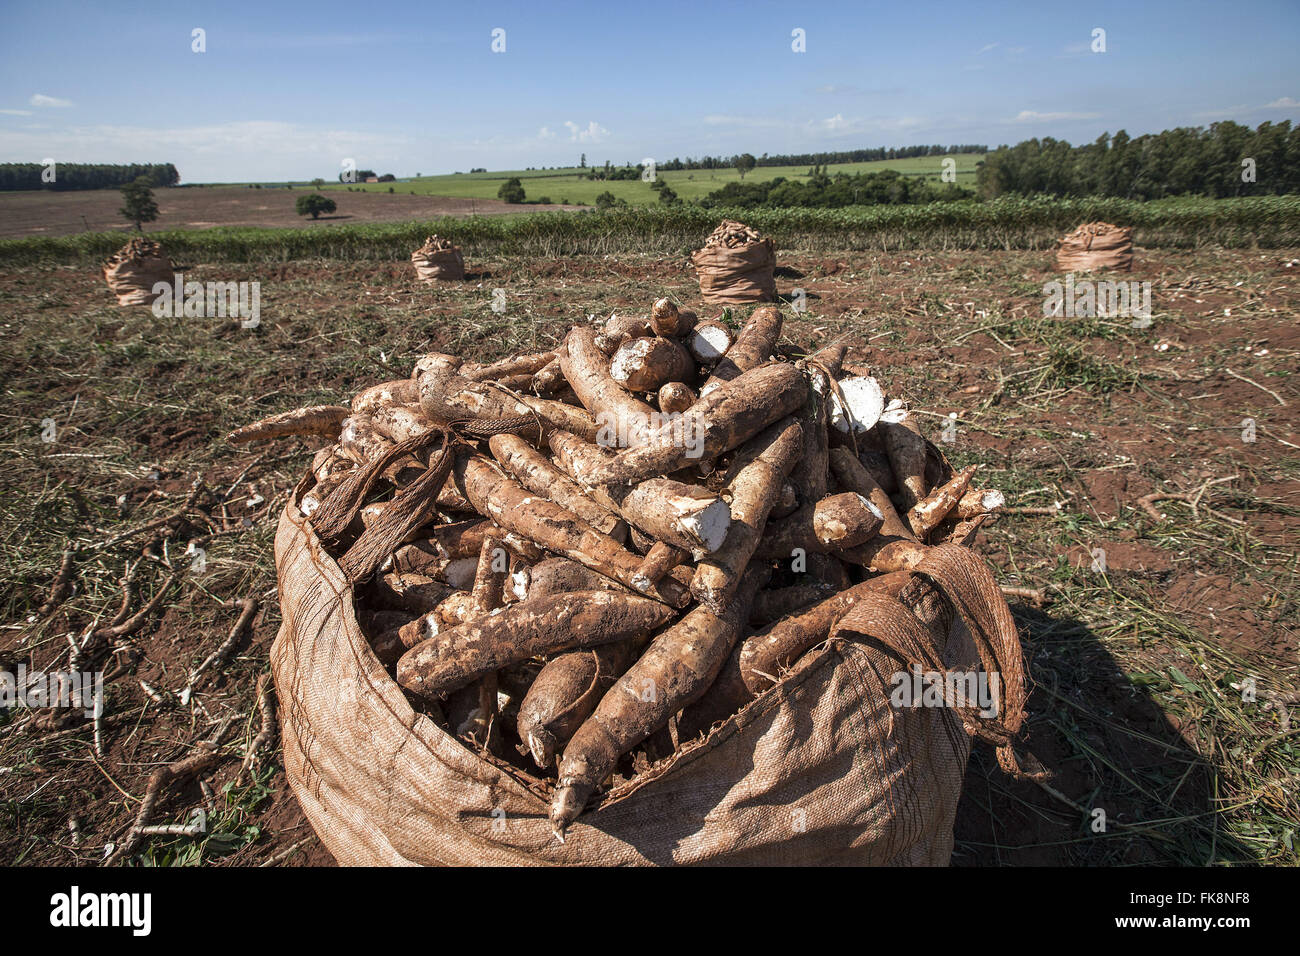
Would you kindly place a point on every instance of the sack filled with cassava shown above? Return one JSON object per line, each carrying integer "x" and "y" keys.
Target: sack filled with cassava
{"x": 751, "y": 632}
{"x": 133, "y": 270}
{"x": 1096, "y": 246}
{"x": 438, "y": 259}
{"x": 736, "y": 266}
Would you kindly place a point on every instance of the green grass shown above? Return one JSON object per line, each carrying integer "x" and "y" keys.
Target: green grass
{"x": 1006, "y": 223}
{"x": 569, "y": 183}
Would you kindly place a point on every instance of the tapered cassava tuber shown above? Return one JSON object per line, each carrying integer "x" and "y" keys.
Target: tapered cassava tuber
{"x": 560, "y": 622}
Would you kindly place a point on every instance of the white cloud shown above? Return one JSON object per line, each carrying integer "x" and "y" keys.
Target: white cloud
{"x": 546, "y": 133}
{"x": 40, "y": 99}
{"x": 222, "y": 152}
{"x": 1282, "y": 103}
{"x": 986, "y": 48}
{"x": 16, "y": 112}
{"x": 593, "y": 133}
{"x": 836, "y": 123}
{"x": 1033, "y": 116}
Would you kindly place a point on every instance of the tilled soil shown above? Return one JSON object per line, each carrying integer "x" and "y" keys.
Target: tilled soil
{"x": 1159, "y": 610}
{"x": 38, "y": 213}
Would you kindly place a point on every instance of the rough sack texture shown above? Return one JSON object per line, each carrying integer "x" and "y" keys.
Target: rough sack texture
{"x": 820, "y": 769}
{"x": 438, "y": 259}
{"x": 133, "y": 270}
{"x": 1095, "y": 246}
{"x": 736, "y": 266}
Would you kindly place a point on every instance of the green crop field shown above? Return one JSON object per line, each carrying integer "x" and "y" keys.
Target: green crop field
{"x": 568, "y": 185}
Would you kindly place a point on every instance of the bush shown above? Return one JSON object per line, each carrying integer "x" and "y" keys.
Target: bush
{"x": 313, "y": 204}
{"x": 511, "y": 191}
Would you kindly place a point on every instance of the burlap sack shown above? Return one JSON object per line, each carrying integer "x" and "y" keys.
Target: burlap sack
{"x": 134, "y": 269}
{"x": 736, "y": 274}
{"x": 1095, "y": 246}
{"x": 821, "y": 769}
{"x": 438, "y": 259}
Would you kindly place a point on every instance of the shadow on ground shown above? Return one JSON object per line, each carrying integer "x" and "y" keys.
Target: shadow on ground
{"x": 1110, "y": 749}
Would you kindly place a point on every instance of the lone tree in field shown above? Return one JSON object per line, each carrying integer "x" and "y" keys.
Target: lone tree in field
{"x": 314, "y": 204}
{"x": 744, "y": 163}
{"x": 318, "y": 183}
{"x": 512, "y": 190}
{"x": 137, "y": 202}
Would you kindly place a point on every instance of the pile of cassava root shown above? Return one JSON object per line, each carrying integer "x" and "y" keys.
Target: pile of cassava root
{"x": 578, "y": 561}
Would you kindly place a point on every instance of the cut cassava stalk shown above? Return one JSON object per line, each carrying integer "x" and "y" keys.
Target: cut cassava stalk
{"x": 906, "y": 450}
{"x": 835, "y": 523}
{"x": 536, "y": 472}
{"x": 659, "y": 560}
{"x": 622, "y": 419}
{"x": 320, "y": 420}
{"x": 729, "y": 415}
{"x": 560, "y": 622}
{"x": 564, "y": 694}
{"x": 509, "y": 504}
{"x": 676, "y": 397}
{"x": 677, "y": 667}
{"x": 644, "y": 364}
{"x": 753, "y": 347}
{"x": 764, "y": 464}
{"x": 926, "y": 514}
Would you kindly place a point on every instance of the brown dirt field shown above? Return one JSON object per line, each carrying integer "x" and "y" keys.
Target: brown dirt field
{"x": 36, "y": 213}
{"x": 1135, "y": 707}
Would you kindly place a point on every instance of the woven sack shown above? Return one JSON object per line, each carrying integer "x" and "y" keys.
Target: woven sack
{"x": 819, "y": 769}
{"x": 1095, "y": 246}
{"x": 131, "y": 276}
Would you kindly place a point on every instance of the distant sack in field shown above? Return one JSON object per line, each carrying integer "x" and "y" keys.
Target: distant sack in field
{"x": 736, "y": 266}
{"x": 132, "y": 271}
{"x": 1094, "y": 246}
{"x": 438, "y": 259}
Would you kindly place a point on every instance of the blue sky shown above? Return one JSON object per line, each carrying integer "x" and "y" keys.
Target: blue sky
{"x": 289, "y": 90}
